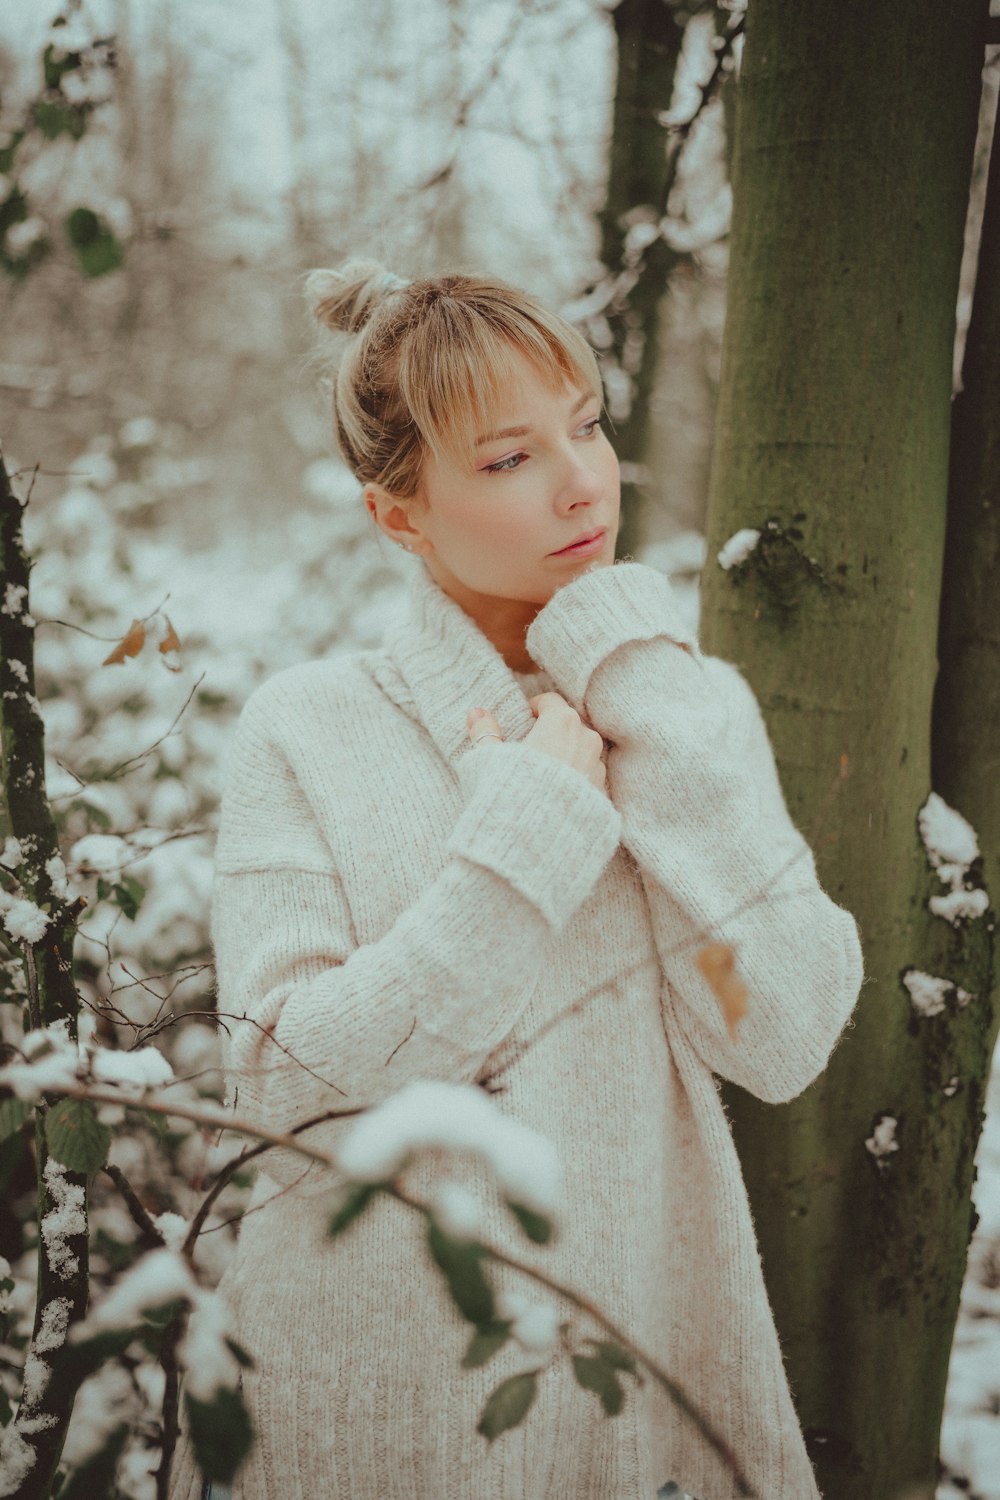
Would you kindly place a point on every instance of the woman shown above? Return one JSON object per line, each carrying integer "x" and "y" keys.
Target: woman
{"x": 489, "y": 851}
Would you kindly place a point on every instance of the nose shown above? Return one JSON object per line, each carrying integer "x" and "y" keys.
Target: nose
{"x": 580, "y": 484}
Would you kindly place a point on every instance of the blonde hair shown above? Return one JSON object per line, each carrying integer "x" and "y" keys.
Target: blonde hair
{"x": 428, "y": 362}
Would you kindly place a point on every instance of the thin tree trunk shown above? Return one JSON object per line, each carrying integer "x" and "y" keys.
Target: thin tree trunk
{"x": 966, "y": 726}
{"x": 649, "y": 35}
{"x": 853, "y": 148}
{"x": 33, "y": 1441}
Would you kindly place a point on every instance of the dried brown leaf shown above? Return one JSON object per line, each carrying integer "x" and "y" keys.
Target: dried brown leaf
{"x": 130, "y": 645}
{"x": 717, "y": 962}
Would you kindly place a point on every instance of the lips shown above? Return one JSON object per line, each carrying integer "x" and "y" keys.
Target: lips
{"x": 585, "y": 536}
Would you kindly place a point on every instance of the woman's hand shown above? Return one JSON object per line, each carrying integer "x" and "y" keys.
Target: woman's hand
{"x": 559, "y": 732}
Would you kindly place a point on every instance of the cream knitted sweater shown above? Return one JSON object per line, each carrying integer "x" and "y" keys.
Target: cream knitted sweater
{"x": 392, "y": 903}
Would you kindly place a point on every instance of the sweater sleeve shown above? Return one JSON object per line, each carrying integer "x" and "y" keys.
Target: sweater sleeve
{"x": 331, "y": 1024}
{"x": 692, "y": 772}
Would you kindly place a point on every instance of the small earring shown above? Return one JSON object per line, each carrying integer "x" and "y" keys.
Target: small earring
{"x": 407, "y": 546}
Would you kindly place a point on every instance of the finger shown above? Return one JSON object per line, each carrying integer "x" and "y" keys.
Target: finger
{"x": 543, "y": 700}
{"x": 480, "y": 723}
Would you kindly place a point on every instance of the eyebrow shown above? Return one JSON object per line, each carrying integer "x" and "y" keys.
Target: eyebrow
{"x": 506, "y": 432}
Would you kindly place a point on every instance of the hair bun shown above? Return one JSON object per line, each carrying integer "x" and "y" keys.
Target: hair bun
{"x": 343, "y": 300}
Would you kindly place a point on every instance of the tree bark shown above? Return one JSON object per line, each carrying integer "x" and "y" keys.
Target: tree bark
{"x": 649, "y": 35}
{"x": 854, "y": 137}
{"x": 33, "y": 1441}
{"x": 965, "y": 745}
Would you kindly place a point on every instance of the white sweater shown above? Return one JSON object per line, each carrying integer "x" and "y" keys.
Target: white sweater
{"x": 393, "y": 903}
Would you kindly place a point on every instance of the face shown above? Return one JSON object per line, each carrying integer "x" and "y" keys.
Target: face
{"x": 491, "y": 529}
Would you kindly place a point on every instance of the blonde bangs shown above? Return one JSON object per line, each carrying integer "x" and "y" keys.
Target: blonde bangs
{"x": 430, "y": 364}
{"x": 468, "y": 364}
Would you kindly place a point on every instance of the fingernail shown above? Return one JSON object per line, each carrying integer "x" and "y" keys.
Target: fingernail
{"x": 475, "y": 714}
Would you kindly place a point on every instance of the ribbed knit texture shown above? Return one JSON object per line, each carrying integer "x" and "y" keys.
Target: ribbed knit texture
{"x": 394, "y": 903}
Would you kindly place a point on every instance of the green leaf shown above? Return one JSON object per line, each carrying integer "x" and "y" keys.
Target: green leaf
{"x": 76, "y": 1136}
{"x": 94, "y": 813}
{"x": 615, "y": 1357}
{"x": 240, "y": 1354}
{"x": 104, "y": 888}
{"x": 72, "y": 1363}
{"x": 508, "y": 1406}
{"x": 96, "y": 1476}
{"x": 535, "y": 1225}
{"x": 128, "y": 894}
{"x": 55, "y": 117}
{"x": 96, "y": 247}
{"x": 55, "y": 67}
{"x": 594, "y": 1375}
{"x": 8, "y": 152}
{"x": 221, "y": 1433}
{"x": 355, "y": 1200}
{"x": 485, "y": 1342}
{"x": 466, "y": 1279}
{"x": 13, "y": 1113}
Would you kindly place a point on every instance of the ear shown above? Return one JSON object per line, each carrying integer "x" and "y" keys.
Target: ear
{"x": 391, "y": 515}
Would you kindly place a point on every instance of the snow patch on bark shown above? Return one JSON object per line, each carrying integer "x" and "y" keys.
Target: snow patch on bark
{"x": 949, "y": 838}
{"x": 959, "y": 904}
{"x": 738, "y": 548}
{"x": 65, "y": 1219}
{"x": 929, "y": 993}
{"x": 882, "y": 1142}
{"x": 25, "y": 922}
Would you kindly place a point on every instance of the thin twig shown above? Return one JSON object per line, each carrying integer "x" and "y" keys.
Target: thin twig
{"x": 133, "y": 760}
{"x": 150, "y": 1234}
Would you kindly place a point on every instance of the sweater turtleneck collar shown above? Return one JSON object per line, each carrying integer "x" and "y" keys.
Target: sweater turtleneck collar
{"x": 449, "y": 666}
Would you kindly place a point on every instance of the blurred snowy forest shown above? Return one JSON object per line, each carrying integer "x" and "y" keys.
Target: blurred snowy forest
{"x": 242, "y": 147}
{"x": 185, "y": 466}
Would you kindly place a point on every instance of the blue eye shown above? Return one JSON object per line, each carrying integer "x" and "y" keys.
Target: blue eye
{"x": 506, "y": 465}
{"x": 515, "y": 460}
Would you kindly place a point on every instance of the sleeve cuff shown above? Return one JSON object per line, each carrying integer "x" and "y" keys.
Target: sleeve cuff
{"x": 588, "y": 618}
{"x": 537, "y": 823}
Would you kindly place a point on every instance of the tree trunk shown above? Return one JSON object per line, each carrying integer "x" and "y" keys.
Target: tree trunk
{"x": 854, "y": 137}
{"x": 33, "y": 1441}
{"x": 649, "y": 35}
{"x": 965, "y": 746}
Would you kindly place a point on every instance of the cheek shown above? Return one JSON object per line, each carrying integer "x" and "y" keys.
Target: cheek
{"x": 610, "y": 470}
{"x": 478, "y": 532}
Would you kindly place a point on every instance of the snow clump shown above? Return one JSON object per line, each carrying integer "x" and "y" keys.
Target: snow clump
{"x": 928, "y": 993}
{"x": 535, "y": 1325}
{"x": 959, "y": 904}
{"x": 55, "y": 869}
{"x": 100, "y": 853}
{"x": 174, "y": 1229}
{"x": 456, "y": 1211}
{"x": 951, "y": 845}
{"x": 65, "y": 1219}
{"x": 453, "y": 1117}
{"x": 738, "y": 548}
{"x": 11, "y": 855}
{"x": 158, "y": 1278}
{"x": 51, "y": 1060}
{"x": 25, "y": 922}
{"x": 132, "y": 1072}
{"x": 882, "y": 1141}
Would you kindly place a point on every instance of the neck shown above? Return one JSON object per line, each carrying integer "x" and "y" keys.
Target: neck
{"x": 504, "y": 622}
